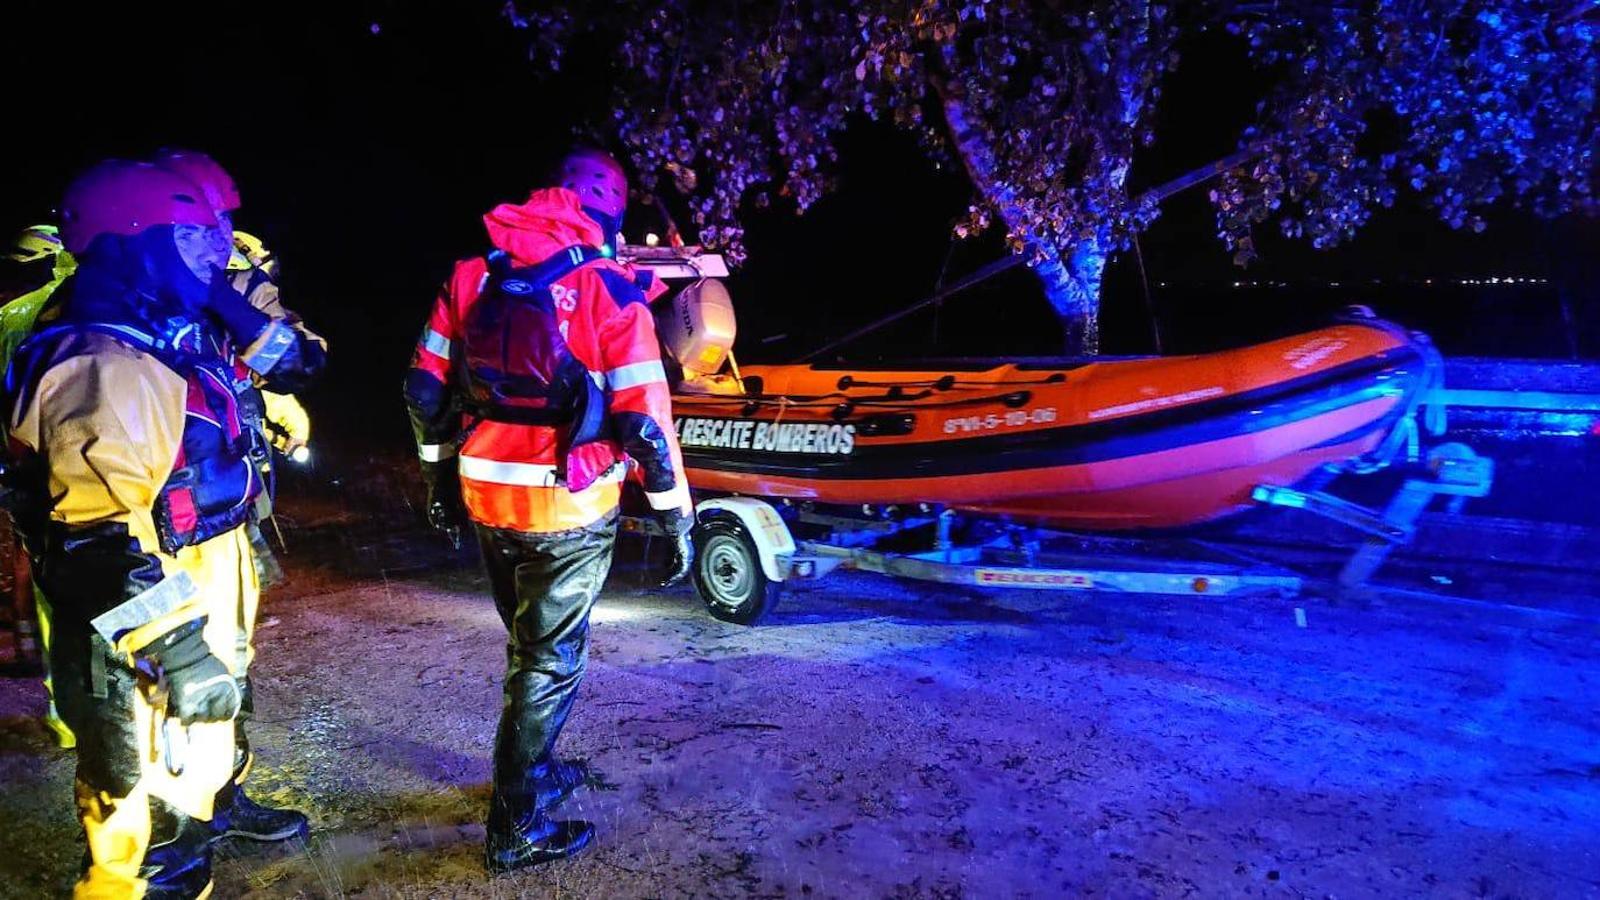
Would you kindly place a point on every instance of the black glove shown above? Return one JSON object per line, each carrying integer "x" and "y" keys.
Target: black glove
{"x": 243, "y": 322}
{"x": 199, "y": 687}
{"x": 299, "y": 366}
{"x": 448, "y": 517}
{"x": 681, "y": 558}
{"x": 445, "y": 511}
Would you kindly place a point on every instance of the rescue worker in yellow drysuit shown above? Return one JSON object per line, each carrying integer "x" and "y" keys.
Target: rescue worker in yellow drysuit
{"x": 35, "y": 246}
{"x": 253, "y": 272}
{"x": 274, "y": 355}
{"x": 122, "y": 418}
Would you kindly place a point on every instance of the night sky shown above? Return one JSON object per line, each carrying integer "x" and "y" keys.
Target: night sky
{"x": 368, "y": 137}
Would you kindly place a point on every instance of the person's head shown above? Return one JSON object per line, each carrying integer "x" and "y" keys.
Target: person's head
{"x": 35, "y": 244}
{"x": 218, "y": 186}
{"x": 147, "y": 219}
{"x": 600, "y": 183}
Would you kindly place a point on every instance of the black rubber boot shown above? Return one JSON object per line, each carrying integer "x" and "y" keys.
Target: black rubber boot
{"x": 235, "y": 814}
{"x": 242, "y": 817}
{"x": 178, "y": 868}
{"x": 188, "y": 880}
{"x": 532, "y": 840}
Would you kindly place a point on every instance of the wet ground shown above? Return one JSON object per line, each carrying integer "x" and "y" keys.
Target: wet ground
{"x": 882, "y": 739}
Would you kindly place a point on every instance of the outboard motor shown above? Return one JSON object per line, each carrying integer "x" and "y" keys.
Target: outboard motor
{"x": 697, "y": 328}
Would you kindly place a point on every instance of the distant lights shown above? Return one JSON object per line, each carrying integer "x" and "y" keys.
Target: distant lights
{"x": 1503, "y": 279}
{"x": 1495, "y": 280}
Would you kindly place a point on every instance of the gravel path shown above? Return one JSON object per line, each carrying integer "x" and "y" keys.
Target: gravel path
{"x": 881, "y": 739}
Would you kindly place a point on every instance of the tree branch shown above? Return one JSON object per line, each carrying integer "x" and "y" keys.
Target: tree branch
{"x": 989, "y": 271}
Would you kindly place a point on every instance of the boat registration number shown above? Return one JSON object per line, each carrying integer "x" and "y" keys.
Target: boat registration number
{"x": 1015, "y": 418}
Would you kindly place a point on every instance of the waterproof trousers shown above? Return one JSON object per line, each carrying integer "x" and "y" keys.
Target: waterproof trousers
{"x": 544, "y": 587}
{"x": 145, "y": 786}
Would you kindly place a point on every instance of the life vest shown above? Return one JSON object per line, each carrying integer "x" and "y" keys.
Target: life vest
{"x": 216, "y": 478}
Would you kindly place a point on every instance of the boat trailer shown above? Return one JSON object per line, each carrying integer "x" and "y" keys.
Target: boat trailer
{"x": 749, "y": 548}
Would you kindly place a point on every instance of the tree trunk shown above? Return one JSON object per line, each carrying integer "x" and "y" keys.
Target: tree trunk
{"x": 1071, "y": 283}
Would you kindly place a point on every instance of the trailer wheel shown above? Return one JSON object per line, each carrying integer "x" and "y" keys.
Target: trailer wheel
{"x": 728, "y": 575}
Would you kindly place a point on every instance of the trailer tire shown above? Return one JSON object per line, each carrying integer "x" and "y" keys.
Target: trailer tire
{"x": 728, "y": 574}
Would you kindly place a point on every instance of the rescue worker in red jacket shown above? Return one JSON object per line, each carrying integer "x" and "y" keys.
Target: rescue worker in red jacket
{"x": 125, "y": 432}
{"x": 272, "y": 349}
{"x": 540, "y": 364}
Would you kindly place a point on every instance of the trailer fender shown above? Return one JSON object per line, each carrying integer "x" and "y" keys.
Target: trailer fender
{"x": 766, "y": 528}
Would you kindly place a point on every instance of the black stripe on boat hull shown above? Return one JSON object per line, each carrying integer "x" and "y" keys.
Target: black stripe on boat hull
{"x": 1391, "y": 373}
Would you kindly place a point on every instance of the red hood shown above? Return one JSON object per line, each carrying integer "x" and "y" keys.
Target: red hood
{"x": 550, "y": 221}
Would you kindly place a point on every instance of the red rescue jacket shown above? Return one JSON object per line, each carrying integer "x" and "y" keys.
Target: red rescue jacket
{"x": 511, "y": 473}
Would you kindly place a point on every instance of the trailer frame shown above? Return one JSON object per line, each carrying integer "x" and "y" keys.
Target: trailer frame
{"x": 748, "y": 551}
{"x": 749, "y": 548}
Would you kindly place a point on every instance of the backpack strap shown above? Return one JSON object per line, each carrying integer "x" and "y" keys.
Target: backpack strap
{"x": 538, "y": 277}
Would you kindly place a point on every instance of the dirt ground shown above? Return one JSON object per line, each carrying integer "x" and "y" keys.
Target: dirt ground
{"x": 883, "y": 739}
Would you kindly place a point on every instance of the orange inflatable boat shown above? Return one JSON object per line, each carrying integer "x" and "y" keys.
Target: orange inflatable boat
{"x": 1100, "y": 444}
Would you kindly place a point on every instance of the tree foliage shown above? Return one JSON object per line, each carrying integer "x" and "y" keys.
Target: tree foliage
{"x": 1045, "y": 103}
{"x": 1466, "y": 103}
{"x": 736, "y": 97}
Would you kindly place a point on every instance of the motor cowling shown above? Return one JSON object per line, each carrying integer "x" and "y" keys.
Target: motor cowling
{"x": 698, "y": 327}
